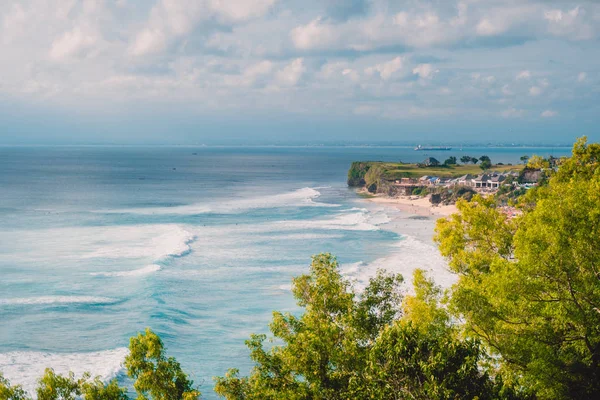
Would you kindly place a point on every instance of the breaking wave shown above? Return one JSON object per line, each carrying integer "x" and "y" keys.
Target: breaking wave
{"x": 304, "y": 197}
{"x": 26, "y": 367}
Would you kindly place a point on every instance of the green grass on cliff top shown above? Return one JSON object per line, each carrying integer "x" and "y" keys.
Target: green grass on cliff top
{"x": 397, "y": 171}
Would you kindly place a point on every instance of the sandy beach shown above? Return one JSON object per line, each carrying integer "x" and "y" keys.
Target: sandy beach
{"x": 414, "y": 205}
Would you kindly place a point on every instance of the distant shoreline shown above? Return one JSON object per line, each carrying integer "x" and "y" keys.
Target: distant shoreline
{"x": 416, "y": 205}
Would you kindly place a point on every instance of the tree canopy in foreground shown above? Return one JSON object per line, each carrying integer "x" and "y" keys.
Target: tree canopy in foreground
{"x": 370, "y": 345}
{"x": 529, "y": 287}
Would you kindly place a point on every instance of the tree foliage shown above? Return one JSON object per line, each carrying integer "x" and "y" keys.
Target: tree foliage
{"x": 485, "y": 165}
{"x": 450, "y": 161}
{"x": 465, "y": 159}
{"x": 537, "y": 162}
{"x": 11, "y": 392}
{"x": 350, "y": 346}
{"x": 529, "y": 287}
{"x": 155, "y": 375}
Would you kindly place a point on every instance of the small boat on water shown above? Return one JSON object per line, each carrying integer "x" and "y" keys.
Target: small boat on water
{"x": 443, "y": 148}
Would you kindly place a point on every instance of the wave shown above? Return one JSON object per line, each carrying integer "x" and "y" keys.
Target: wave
{"x": 408, "y": 254}
{"x": 148, "y": 269}
{"x": 157, "y": 242}
{"x": 150, "y": 244}
{"x": 26, "y": 367}
{"x": 355, "y": 221}
{"x": 56, "y": 300}
{"x": 299, "y": 198}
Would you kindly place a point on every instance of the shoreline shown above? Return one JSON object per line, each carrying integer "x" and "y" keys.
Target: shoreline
{"x": 414, "y": 219}
{"x": 415, "y": 205}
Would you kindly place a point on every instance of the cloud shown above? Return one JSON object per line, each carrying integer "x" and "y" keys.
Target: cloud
{"x": 513, "y": 113}
{"x": 343, "y": 10}
{"x": 240, "y": 10}
{"x": 425, "y": 71}
{"x": 535, "y": 91}
{"x": 548, "y": 114}
{"x": 314, "y": 35}
{"x": 347, "y": 56}
{"x": 291, "y": 74}
{"x": 170, "y": 20}
{"x": 387, "y": 69}
{"x": 251, "y": 75}
{"x": 71, "y": 43}
{"x": 571, "y": 23}
{"x": 148, "y": 41}
{"x": 486, "y": 28}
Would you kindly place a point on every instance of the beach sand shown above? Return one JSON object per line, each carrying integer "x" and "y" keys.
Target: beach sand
{"x": 414, "y": 220}
{"x": 414, "y": 205}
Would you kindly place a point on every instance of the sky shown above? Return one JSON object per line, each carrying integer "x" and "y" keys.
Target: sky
{"x": 298, "y": 71}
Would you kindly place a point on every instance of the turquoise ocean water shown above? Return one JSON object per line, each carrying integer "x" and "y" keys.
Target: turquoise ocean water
{"x": 200, "y": 244}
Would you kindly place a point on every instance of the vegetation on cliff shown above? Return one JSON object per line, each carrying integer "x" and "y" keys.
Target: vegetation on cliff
{"x": 378, "y": 176}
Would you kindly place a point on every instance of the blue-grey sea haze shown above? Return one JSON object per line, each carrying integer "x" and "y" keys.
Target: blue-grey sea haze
{"x": 200, "y": 244}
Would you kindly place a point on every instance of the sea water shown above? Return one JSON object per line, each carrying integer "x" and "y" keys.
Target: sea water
{"x": 198, "y": 243}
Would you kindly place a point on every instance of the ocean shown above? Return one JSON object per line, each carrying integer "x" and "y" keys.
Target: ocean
{"x": 198, "y": 243}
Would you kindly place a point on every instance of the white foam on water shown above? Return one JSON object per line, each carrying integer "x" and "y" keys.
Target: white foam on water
{"x": 155, "y": 242}
{"x": 148, "y": 269}
{"x": 56, "y": 300}
{"x": 407, "y": 255}
{"x": 149, "y": 244}
{"x": 26, "y": 367}
{"x": 300, "y": 236}
{"x": 304, "y": 197}
{"x": 355, "y": 221}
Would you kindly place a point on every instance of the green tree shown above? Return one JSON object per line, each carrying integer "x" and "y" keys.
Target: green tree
{"x": 485, "y": 158}
{"x": 52, "y": 386}
{"x": 354, "y": 346}
{"x": 524, "y": 159}
{"x": 325, "y": 348}
{"x": 474, "y": 160}
{"x": 450, "y": 161}
{"x": 8, "y": 392}
{"x": 528, "y": 287}
{"x": 538, "y": 162}
{"x": 465, "y": 159}
{"x": 485, "y": 165}
{"x": 155, "y": 375}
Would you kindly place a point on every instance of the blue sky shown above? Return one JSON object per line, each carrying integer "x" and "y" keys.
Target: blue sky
{"x": 277, "y": 71}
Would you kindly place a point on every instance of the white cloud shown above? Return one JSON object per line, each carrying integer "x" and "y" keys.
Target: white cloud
{"x": 313, "y": 35}
{"x": 424, "y": 71}
{"x": 513, "y": 113}
{"x": 485, "y": 27}
{"x": 71, "y": 43}
{"x": 535, "y": 91}
{"x": 241, "y": 10}
{"x": 251, "y": 75}
{"x": 571, "y": 23}
{"x": 14, "y": 23}
{"x": 351, "y": 74}
{"x": 506, "y": 90}
{"x": 291, "y": 74}
{"x": 148, "y": 41}
{"x": 548, "y": 114}
{"x": 581, "y": 77}
{"x": 387, "y": 69}
{"x": 524, "y": 75}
